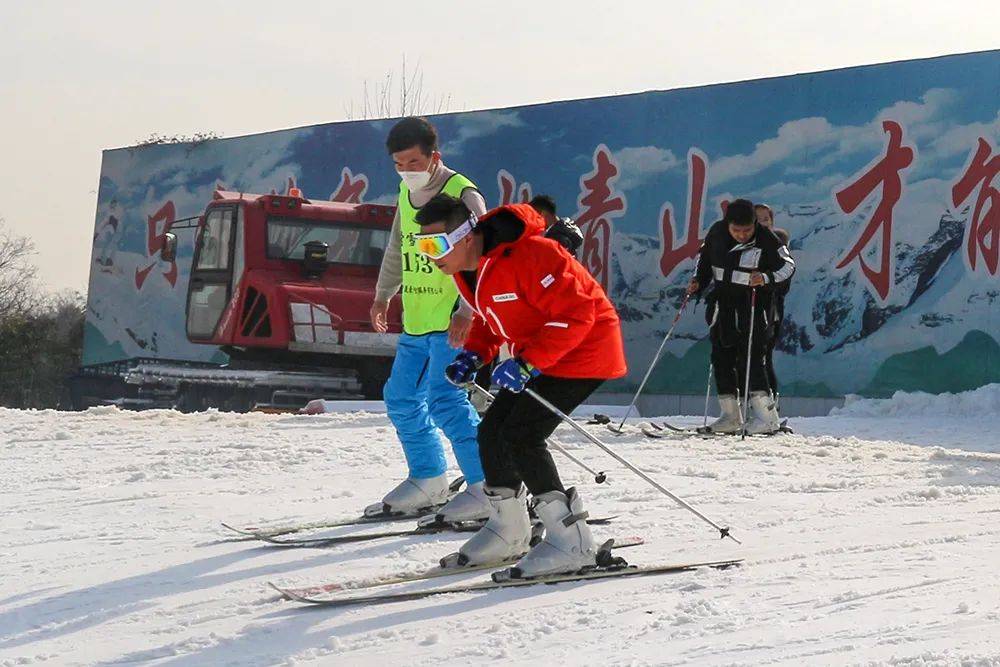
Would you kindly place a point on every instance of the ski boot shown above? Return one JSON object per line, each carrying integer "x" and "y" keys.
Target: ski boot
{"x": 765, "y": 417}
{"x": 506, "y": 535}
{"x": 568, "y": 545}
{"x": 729, "y": 421}
{"x": 412, "y": 496}
{"x": 469, "y": 505}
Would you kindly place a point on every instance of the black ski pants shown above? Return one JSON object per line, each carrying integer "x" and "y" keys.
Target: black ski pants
{"x": 778, "y": 314}
{"x": 513, "y": 431}
{"x": 729, "y": 338}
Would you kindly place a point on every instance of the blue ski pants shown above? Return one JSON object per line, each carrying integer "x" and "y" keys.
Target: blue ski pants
{"x": 420, "y": 400}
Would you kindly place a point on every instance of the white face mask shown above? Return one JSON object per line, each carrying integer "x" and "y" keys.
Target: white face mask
{"x": 417, "y": 180}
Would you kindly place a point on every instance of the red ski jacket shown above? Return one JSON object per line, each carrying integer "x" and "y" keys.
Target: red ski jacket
{"x": 530, "y": 292}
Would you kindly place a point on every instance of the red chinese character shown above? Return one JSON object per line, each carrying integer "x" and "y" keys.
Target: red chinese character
{"x": 154, "y": 243}
{"x": 598, "y": 203}
{"x": 351, "y": 189}
{"x": 885, "y": 173}
{"x": 508, "y": 186}
{"x": 671, "y": 257}
{"x": 984, "y": 232}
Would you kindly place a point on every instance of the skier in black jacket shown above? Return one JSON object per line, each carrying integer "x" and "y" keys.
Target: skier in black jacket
{"x": 765, "y": 217}
{"x": 741, "y": 256}
{"x": 561, "y": 230}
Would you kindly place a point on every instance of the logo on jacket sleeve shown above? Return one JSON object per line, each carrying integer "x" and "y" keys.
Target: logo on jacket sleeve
{"x": 548, "y": 280}
{"x": 507, "y": 296}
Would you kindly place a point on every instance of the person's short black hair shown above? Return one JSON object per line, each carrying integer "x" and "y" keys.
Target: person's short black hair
{"x": 740, "y": 213}
{"x": 410, "y": 132}
{"x": 543, "y": 204}
{"x": 443, "y": 208}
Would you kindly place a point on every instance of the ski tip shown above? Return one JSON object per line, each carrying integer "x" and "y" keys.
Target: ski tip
{"x": 250, "y": 531}
{"x": 627, "y": 541}
{"x": 285, "y": 595}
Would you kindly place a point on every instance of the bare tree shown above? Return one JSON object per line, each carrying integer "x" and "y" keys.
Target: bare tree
{"x": 17, "y": 273}
{"x": 395, "y": 96}
{"x": 194, "y": 140}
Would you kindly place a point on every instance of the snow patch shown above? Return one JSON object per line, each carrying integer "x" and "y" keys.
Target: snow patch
{"x": 981, "y": 402}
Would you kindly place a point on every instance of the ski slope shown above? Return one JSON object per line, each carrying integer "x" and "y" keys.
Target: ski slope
{"x": 871, "y": 537}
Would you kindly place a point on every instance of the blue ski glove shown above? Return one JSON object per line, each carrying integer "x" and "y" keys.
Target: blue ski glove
{"x": 462, "y": 371}
{"x": 513, "y": 374}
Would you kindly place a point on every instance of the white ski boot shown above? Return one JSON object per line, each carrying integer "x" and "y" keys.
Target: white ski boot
{"x": 505, "y": 537}
{"x": 469, "y": 505}
{"x": 568, "y": 545}
{"x": 729, "y": 421}
{"x": 765, "y": 417}
{"x": 412, "y": 496}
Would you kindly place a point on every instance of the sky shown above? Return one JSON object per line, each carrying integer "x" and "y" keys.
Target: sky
{"x": 78, "y": 78}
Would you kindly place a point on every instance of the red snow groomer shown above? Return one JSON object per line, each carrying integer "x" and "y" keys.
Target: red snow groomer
{"x": 283, "y": 285}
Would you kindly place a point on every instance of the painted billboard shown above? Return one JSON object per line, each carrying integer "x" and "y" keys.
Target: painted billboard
{"x": 885, "y": 176}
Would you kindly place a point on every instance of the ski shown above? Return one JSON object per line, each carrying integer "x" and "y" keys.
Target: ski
{"x": 657, "y": 432}
{"x": 262, "y": 532}
{"x": 667, "y": 426}
{"x": 258, "y": 532}
{"x": 433, "y": 529}
{"x": 652, "y": 430}
{"x": 432, "y": 573}
{"x": 652, "y": 426}
{"x": 596, "y": 574}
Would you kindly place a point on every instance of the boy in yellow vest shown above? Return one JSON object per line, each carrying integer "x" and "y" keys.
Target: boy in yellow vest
{"x": 418, "y": 397}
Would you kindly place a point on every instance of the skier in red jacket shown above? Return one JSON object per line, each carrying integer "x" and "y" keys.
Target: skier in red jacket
{"x": 565, "y": 338}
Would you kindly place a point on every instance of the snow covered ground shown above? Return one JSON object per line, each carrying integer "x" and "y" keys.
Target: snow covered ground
{"x": 871, "y": 537}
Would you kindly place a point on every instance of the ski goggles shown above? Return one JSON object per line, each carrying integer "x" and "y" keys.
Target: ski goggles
{"x": 436, "y": 246}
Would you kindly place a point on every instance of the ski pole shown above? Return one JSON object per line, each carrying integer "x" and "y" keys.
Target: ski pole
{"x": 708, "y": 390}
{"x": 746, "y": 391}
{"x": 599, "y": 477}
{"x": 711, "y": 364}
{"x": 723, "y": 532}
{"x": 652, "y": 364}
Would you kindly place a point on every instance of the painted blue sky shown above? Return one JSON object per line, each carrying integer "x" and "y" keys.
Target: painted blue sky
{"x": 787, "y": 140}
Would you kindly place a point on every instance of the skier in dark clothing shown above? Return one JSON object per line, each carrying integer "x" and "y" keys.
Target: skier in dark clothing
{"x": 529, "y": 293}
{"x": 562, "y": 230}
{"x": 742, "y": 258}
{"x": 765, "y": 217}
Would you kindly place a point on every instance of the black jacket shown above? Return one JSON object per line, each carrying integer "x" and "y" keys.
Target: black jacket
{"x": 566, "y": 233}
{"x": 729, "y": 264}
{"x": 781, "y": 289}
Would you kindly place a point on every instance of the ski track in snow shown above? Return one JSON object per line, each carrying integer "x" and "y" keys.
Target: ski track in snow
{"x": 868, "y": 540}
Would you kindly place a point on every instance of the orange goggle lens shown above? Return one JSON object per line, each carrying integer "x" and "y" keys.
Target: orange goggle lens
{"x": 434, "y": 246}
